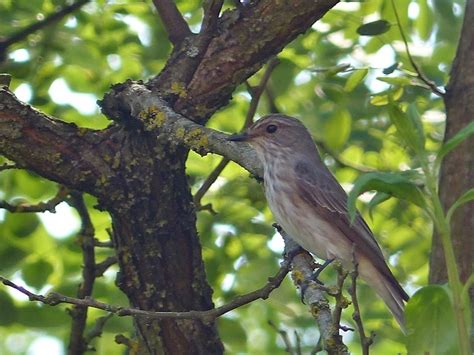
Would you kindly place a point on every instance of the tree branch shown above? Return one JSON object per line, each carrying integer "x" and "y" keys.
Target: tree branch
{"x": 77, "y": 341}
{"x": 173, "y": 21}
{"x": 59, "y": 151}
{"x": 303, "y": 267}
{"x": 211, "y": 8}
{"x": 54, "y": 299}
{"x": 49, "y": 205}
{"x": 22, "y": 34}
{"x": 419, "y": 72}
{"x": 365, "y": 341}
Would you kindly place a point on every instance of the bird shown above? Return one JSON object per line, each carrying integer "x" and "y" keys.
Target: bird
{"x": 311, "y": 206}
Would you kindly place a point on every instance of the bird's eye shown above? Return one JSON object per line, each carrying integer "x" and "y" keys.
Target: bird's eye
{"x": 271, "y": 128}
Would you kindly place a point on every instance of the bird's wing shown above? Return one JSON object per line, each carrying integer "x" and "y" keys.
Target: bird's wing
{"x": 320, "y": 189}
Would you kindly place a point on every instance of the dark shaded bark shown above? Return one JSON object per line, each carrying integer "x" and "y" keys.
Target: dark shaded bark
{"x": 457, "y": 171}
{"x": 140, "y": 179}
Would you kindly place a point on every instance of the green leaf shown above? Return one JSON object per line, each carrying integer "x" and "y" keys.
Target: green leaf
{"x": 385, "y": 97}
{"x": 8, "y": 310}
{"x": 22, "y": 225}
{"x": 430, "y": 322}
{"x": 390, "y": 69}
{"x": 376, "y": 200}
{"x": 399, "y": 80}
{"x": 374, "y": 28}
{"x": 408, "y": 127}
{"x": 415, "y": 119}
{"x": 354, "y": 79}
{"x": 36, "y": 274}
{"x": 452, "y": 143}
{"x": 393, "y": 184}
{"x": 465, "y": 197}
{"x": 337, "y": 129}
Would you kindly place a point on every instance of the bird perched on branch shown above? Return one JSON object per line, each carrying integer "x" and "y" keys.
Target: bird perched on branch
{"x": 311, "y": 206}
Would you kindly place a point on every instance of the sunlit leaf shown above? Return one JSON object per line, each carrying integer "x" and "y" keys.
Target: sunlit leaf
{"x": 430, "y": 322}
{"x": 408, "y": 127}
{"x": 354, "y": 79}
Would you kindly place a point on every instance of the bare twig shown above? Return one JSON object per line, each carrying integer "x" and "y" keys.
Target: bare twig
{"x": 49, "y": 205}
{"x": 364, "y": 340}
{"x": 101, "y": 267}
{"x": 22, "y": 34}
{"x": 97, "y": 329}
{"x": 212, "y": 8}
{"x": 285, "y": 338}
{"x": 54, "y": 298}
{"x": 7, "y": 166}
{"x": 415, "y": 66}
{"x": 101, "y": 244}
{"x": 77, "y": 341}
{"x": 256, "y": 94}
{"x": 173, "y": 21}
{"x": 341, "y": 301}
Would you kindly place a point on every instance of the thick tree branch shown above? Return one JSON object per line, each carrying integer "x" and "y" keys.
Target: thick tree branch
{"x": 59, "y": 151}
{"x": 173, "y": 21}
{"x": 275, "y": 24}
{"x": 48, "y": 20}
{"x": 303, "y": 267}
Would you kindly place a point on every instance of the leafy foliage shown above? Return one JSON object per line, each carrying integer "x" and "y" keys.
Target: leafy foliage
{"x": 65, "y": 68}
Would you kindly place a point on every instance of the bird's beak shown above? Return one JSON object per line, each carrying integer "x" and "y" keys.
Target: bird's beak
{"x": 239, "y": 137}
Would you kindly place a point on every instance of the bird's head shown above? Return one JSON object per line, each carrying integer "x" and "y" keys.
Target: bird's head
{"x": 276, "y": 134}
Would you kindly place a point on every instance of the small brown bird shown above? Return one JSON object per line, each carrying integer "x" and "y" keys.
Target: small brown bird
{"x": 311, "y": 206}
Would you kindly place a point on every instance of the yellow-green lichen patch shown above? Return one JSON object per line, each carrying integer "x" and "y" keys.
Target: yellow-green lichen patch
{"x": 152, "y": 117}
{"x": 297, "y": 277}
{"x": 197, "y": 140}
{"x": 179, "y": 89}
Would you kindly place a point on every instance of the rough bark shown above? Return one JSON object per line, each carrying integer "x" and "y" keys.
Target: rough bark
{"x": 140, "y": 177}
{"x": 457, "y": 171}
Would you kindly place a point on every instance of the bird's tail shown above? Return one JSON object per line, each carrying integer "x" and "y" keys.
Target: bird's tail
{"x": 388, "y": 288}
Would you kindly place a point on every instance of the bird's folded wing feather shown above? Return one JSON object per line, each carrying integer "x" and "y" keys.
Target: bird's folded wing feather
{"x": 320, "y": 189}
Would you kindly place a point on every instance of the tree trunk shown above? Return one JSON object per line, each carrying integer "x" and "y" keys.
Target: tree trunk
{"x": 158, "y": 248}
{"x": 457, "y": 171}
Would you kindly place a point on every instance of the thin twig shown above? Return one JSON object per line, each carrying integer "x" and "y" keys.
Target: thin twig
{"x": 341, "y": 301}
{"x": 7, "y": 166}
{"x": 284, "y": 337}
{"x": 97, "y": 329}
{"x": 256, "y": 94}
{"x": 102, "y": 267}
{"x": 212, "y": 9}
{"x": 22, "y": 34}
{"x": 49, "y": 205}
{"x": 77, "y": 341}
{"x": 415, "y": 66}
{"x": 364, "y": 340}
{"x": 54, "y": 298}
{"x": 173, "y": 21}
{"x": 101, "y": 244}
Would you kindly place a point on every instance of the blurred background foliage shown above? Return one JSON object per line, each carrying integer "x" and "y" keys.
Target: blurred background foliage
{"x": 332, "y": 77}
